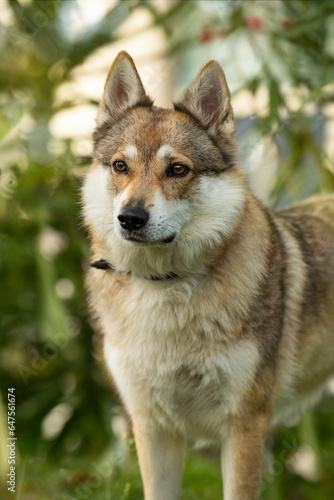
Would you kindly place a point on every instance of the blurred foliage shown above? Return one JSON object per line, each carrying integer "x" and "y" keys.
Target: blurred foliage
{"x": 48, "y": 352}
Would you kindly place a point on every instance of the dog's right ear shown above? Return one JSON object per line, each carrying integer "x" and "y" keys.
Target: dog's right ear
{"x": 123, "y": 90}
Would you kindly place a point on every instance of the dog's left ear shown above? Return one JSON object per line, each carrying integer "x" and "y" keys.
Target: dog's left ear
{"x": 209, "y": 101}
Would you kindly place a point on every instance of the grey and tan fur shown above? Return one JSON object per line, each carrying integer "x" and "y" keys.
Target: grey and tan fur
{"x": 242, "y": 334}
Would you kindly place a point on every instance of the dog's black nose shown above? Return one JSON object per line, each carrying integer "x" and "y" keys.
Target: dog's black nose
{"x": 132, "y": 218}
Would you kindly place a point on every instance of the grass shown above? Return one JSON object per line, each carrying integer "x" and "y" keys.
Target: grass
{"x": 81, "y": 479}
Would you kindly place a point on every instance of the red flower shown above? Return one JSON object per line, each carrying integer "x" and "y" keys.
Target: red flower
{"x": 206, "y": 36}
{"x": 254, "y": 23}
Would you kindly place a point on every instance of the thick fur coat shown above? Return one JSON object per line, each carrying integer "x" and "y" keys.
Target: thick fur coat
{"x": 217, "y": 314}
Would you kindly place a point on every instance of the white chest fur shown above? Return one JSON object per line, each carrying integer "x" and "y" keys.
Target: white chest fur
{"x": 172, "y": 362}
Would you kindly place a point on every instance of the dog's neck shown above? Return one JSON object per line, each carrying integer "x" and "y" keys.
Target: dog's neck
{"x": 104, "y": 265}
{"x": 159, "y": 263}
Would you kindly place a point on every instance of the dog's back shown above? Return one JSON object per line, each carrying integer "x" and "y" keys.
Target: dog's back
{"x": 308, "y": 232}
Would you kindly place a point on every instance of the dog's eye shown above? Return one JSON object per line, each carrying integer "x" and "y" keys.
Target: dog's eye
{"x": 177, "y": 170}
{"x": 120, "y": 167}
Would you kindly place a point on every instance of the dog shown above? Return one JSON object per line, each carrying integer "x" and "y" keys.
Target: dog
{"x": 217, "y": 314}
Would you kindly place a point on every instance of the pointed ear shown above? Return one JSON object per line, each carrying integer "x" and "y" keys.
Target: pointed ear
{"x": 123, "y": 89}
{"x": 208, "y": 99}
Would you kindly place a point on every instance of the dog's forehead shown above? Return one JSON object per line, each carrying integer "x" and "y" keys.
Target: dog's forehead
{"x": 146, "y": 130}
{"x": 159, "y": 131}
{"x": 147, "y": 134}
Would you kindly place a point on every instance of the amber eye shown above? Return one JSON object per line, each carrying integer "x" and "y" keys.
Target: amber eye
{"x": 120, "y": 167}
{"x": 177, "y": 170}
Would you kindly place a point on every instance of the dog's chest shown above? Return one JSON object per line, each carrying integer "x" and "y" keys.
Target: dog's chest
{"x": 173, "y": 364}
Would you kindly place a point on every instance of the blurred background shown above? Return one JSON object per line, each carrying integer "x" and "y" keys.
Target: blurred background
{"x": 278, "y": 58}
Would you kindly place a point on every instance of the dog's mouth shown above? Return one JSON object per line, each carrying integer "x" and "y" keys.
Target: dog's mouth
{"x": 144, "y": 241}
{"x": 169, "y": 240}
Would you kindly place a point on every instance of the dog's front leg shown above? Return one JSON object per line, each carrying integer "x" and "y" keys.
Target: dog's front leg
{"x": 242, "y": 457}
{"x": 161, "y": 460}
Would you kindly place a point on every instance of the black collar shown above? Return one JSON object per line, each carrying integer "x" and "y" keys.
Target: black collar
{"x": 104, "y": 265}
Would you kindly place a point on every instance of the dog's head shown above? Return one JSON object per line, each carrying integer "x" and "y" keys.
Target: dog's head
{"x": 165, "y": 184}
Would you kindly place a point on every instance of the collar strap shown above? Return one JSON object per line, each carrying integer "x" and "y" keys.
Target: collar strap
{"x": 104, "y": 265}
